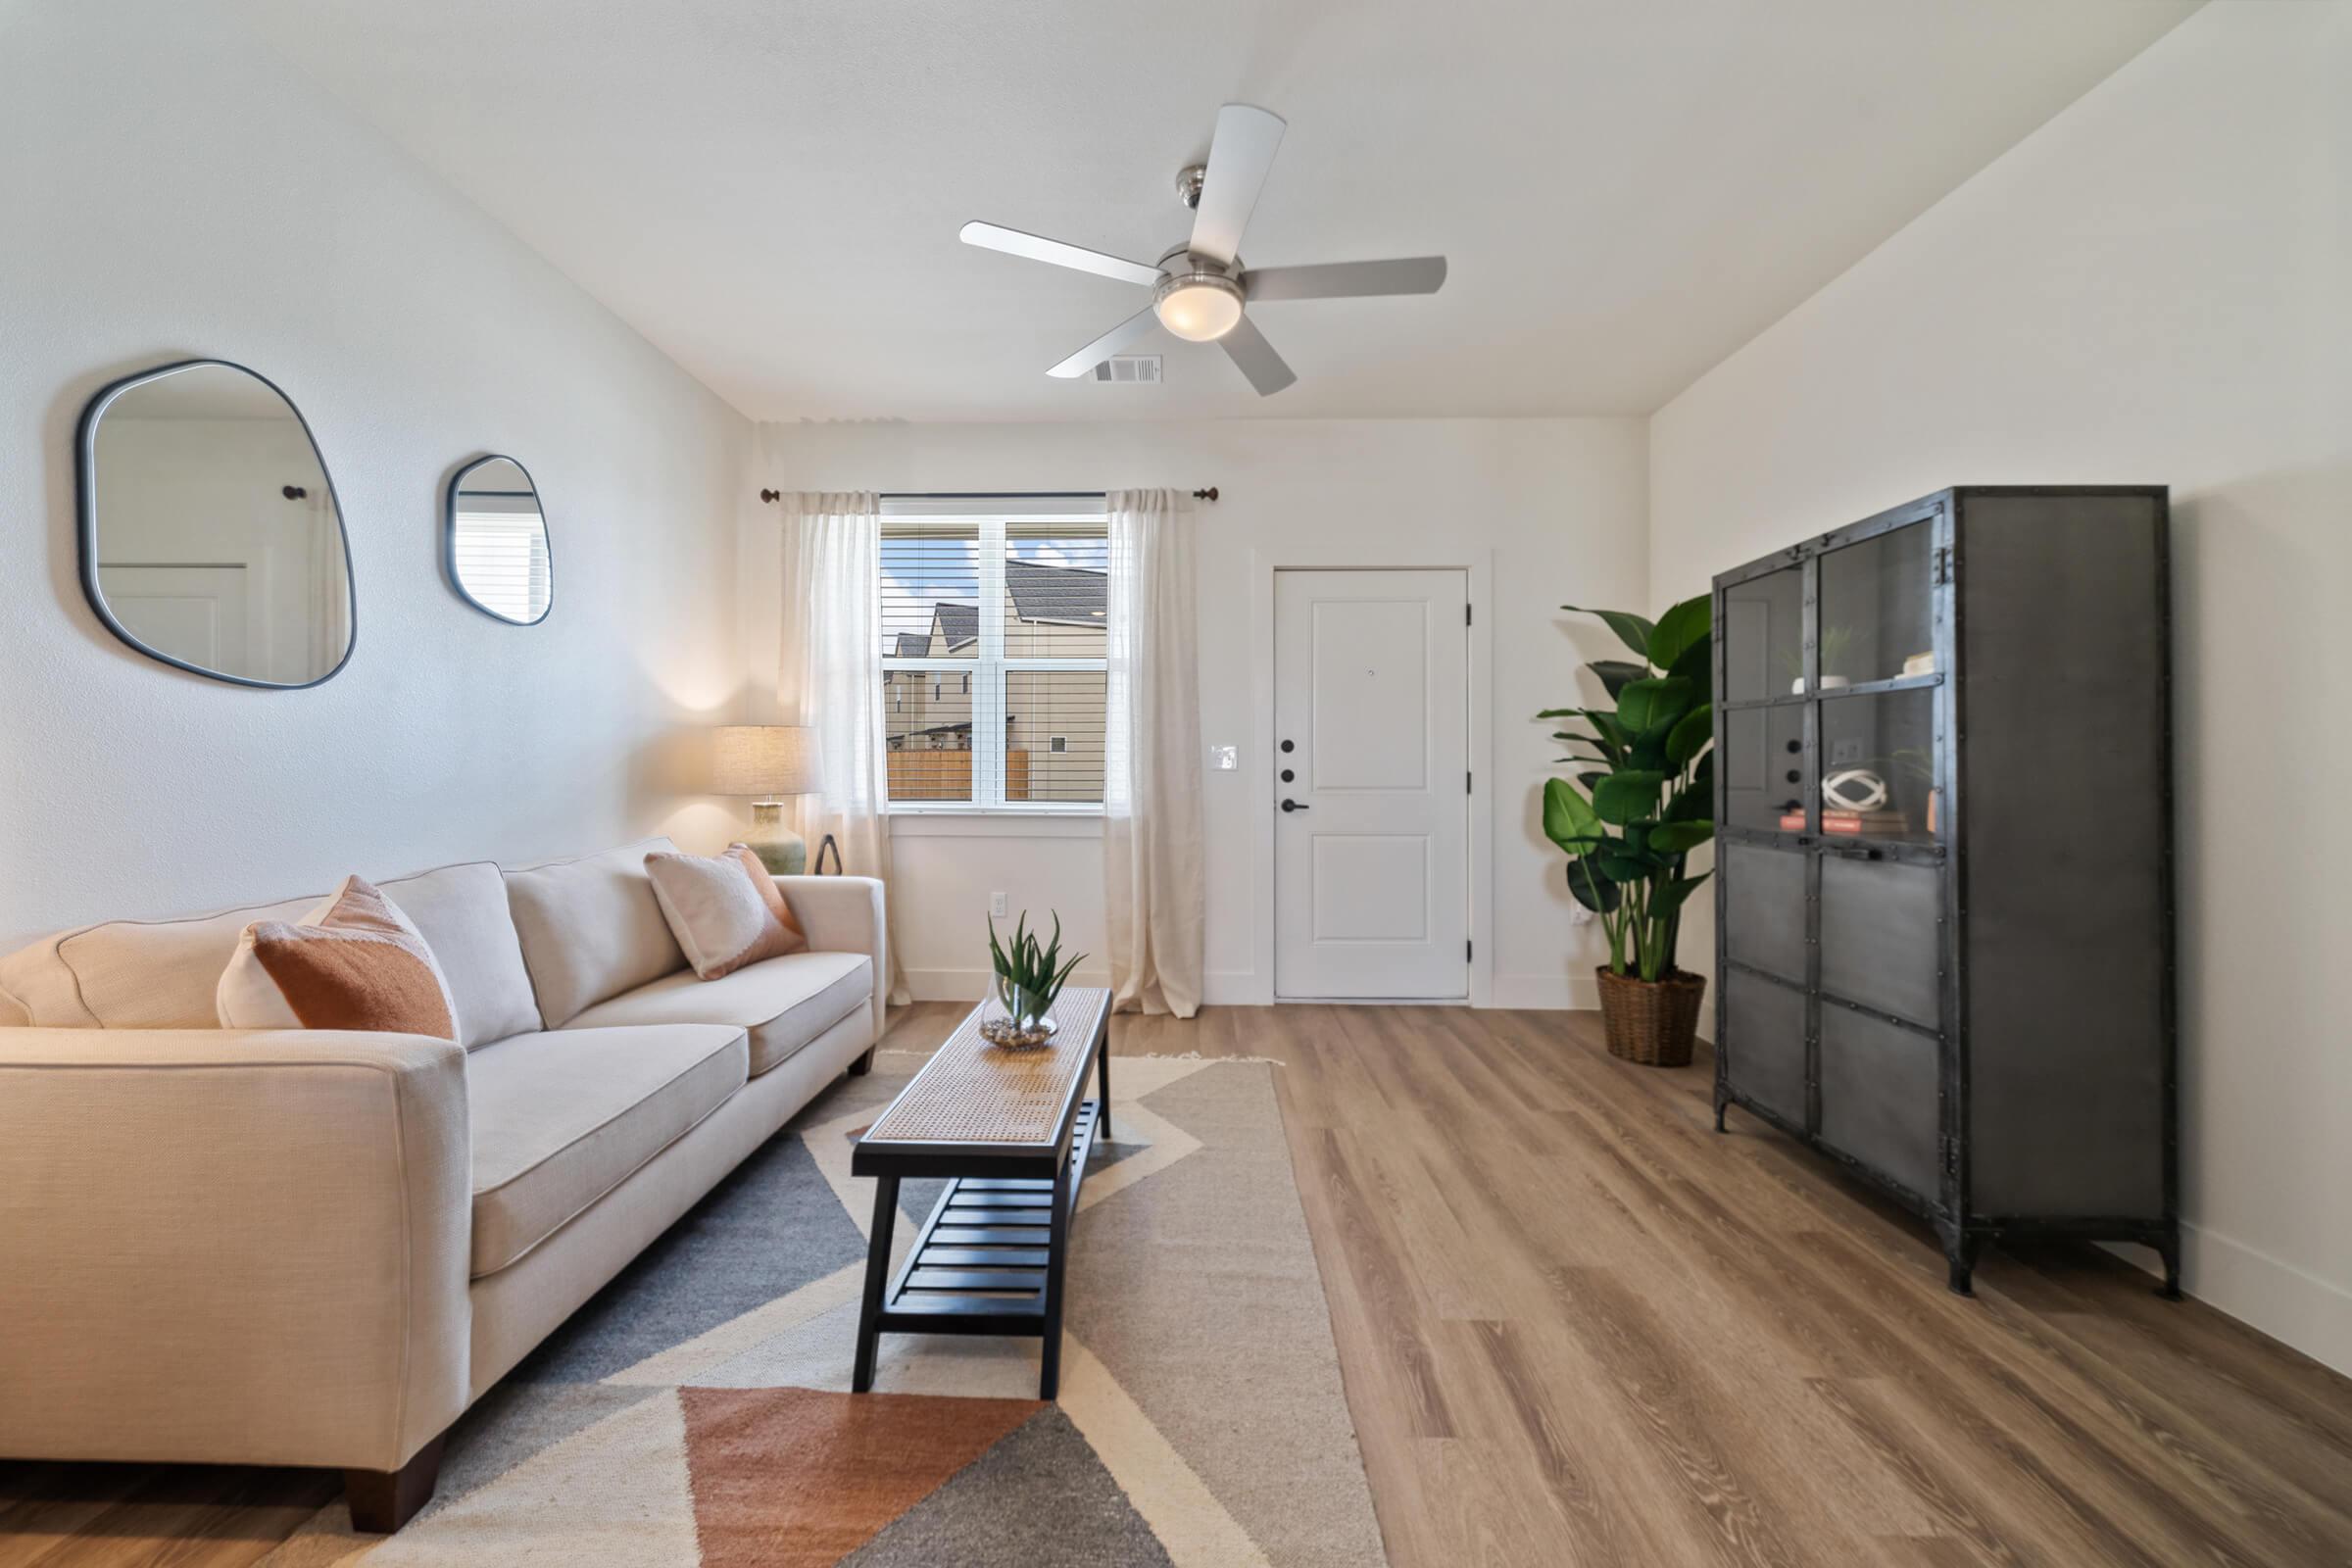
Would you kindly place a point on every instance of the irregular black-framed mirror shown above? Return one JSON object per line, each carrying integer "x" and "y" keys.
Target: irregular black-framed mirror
{"x": 493, "y": 542}
{"x": 210, "y": 537}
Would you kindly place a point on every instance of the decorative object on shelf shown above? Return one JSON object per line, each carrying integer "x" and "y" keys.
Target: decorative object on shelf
{"x": 769, "y": 761}
{"x": 1030, "y": 974}
{"x": 1629, "y": 825}
{"x": 1854, "y": 790}
{"x": 1835, "y": 643}
{"x": 211, "y": 536}
{"x": 493, "y": 542}
{"x": 1932, "y": 1008}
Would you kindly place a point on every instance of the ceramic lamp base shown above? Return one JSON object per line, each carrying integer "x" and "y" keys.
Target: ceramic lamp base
{"x": 782, "y": 850}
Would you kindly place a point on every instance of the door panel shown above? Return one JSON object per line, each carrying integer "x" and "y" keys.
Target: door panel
{"x": 1371, "y": 672}
{"x": 1879, "y": 941}
{"x": 1765, "y": 889}
{"x": 1878, "y": 1096}
{"x": 1764, "y": 1042}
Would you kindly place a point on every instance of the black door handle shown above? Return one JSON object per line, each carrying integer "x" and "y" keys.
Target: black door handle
{"x": 1294, "y": 806}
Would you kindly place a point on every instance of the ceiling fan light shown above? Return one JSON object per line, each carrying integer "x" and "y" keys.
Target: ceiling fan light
{"x": 1199, "y": 307}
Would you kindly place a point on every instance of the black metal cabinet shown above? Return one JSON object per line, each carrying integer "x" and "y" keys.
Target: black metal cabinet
{"x": 1944, "y": 899}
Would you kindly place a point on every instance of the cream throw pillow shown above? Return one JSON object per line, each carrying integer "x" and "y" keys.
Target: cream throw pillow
{"x": 353, "y": 962}
{"x": 724, "y": 909}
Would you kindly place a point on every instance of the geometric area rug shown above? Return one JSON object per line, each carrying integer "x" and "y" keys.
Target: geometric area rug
{"x": 697, "y": 1410}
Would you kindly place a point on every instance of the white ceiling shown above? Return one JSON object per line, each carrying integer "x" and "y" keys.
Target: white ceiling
{"x": 1628, "y": 190}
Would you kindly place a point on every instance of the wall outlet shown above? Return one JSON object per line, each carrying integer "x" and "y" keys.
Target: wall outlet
{"x": 1845, "y": 752}
{"x": 999, "y": 905}
{"x": 1224, "y": 758}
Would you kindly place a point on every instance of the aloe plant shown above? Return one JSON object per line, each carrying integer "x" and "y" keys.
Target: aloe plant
{"x": 1629, "y": 824}
{"x": 1030, "y": 974}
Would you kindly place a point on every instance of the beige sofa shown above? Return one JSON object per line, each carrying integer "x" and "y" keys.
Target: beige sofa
{"x": 307, "y": 1247}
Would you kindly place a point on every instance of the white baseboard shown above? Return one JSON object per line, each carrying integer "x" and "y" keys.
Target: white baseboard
{"x": 2263, "y": 1292}
{"x": 1552, "y": 992}
{"x": 1234, "y": 987}
{"x": 971, "y": 985}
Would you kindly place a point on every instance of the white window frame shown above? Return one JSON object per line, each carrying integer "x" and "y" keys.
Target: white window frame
{"x": 989, "y": 668}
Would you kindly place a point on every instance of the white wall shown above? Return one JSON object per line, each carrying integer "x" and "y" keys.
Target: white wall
{"x": 1555, "y": 507}
{"x": 172, "y": 191}
{"x": 2155, "y": 287}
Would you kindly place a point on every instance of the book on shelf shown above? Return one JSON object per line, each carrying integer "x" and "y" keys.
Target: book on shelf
{"x": 1867, "y": 823}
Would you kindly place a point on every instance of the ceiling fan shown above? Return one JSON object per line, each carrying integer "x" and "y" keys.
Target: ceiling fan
{"x": 1200, "y": 290}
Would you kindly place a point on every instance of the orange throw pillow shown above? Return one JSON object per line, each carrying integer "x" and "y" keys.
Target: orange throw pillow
{"x": 352, "y": 962}
{"x": 724, "y": 909}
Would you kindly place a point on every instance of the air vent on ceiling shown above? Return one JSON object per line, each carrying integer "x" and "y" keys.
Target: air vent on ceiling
{"x": 1130, "y": 367}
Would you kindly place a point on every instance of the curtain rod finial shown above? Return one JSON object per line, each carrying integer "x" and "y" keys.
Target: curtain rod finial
{"x": 1209, "y": 494}
{"x": 771, "y": 494}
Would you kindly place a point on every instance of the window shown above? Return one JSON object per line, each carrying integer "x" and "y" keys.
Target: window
{"x": 993, "y": 650}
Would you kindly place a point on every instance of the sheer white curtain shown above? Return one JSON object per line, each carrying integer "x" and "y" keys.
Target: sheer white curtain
{"x": 1152, "y": 836}
{"x": 829, "y": 676}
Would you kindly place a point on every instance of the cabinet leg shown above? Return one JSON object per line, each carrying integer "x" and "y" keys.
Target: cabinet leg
{"x": 2170, "y": 1247}
{"x": 382, "y": 1501}
{"x": 1960, "y": 1258}
{"x": 1719, "y": 1104}
{"x": 863, "y": 1064}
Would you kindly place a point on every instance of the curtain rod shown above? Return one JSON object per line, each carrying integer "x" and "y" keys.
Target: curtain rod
{"x": 1209, "y": 494}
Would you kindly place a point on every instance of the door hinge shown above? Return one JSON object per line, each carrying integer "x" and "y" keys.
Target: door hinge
{"x": 1944, "y": 564}
{"x": 1465, "y": 952}
{"x": 1465, "y": 783}
{"x": 1465, "y": 614}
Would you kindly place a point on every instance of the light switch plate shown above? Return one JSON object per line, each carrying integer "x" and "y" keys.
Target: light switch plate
{"x": 1225, "y": 759}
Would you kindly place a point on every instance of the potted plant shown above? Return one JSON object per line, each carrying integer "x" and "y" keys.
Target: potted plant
{"x": 1030, "y": 974}
{"x": 1629, "y": 821}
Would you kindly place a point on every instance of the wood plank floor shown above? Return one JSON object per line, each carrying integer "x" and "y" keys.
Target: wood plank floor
{"x": 1577, "y": 1326}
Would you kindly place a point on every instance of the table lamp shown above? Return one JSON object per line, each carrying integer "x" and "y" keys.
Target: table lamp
{"x": 769, "y": 761}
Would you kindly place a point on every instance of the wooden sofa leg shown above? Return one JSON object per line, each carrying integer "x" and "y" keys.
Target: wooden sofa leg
{"x": 863, "y": 1064}
{"x": 382, "y": 1501}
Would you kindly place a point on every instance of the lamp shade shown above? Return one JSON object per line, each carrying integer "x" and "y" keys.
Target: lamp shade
{"x": 765, "y": 760}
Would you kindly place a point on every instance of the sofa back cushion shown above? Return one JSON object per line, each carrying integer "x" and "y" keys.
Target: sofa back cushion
{"x": 162, "y": 974}
{"x": 462, "y": 913}
{"x": 135, "y": 974}
{"x": 591, "y": 928}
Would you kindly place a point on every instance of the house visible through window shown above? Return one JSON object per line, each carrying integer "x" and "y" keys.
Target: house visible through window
{"x": 1016, "y": 608}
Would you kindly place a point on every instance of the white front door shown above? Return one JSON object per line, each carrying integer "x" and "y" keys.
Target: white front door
{"x": 1371, "y": 751}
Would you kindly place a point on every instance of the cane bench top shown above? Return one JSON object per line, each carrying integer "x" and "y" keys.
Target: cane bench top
{"x": 971, "y": 1091}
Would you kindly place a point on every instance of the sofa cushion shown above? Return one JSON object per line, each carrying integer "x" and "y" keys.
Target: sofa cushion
{"x": 560, "y": 1119}
{"x": 462, "y": 913}
{"x": 591, "y": 928}
{"x": 785, "y": 1003}
{"x": 135, "y": 974}
{"x": 162, "y": 975}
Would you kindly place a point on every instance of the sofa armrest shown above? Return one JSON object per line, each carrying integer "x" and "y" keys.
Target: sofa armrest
{"x": 229, "y": 1246}
{"x": 845, "y": 914}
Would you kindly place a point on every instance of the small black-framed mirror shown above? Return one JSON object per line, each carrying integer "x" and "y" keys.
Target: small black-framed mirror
{"x": 493, "y": 542}
{"x": 211, "y": 536}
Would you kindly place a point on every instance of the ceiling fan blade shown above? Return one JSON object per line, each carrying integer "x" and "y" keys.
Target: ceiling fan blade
{"x": 1240, "y": 155}
{"x": 1036, "y": 248}
{"x": 1247, "y": 348}
{"x": 1409, "y": 274}
{"x": 1103, "y": 347}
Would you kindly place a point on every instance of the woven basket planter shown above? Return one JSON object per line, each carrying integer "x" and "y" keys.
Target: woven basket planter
{"x": 1651, "y": 1021}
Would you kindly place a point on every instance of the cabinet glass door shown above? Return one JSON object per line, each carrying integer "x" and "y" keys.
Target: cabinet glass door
{"x": 1877, "y": 603}
{"x": 1878, "y": 766}
{"x": 1761, "y": 759}
{"x": 1764, "y": 636}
